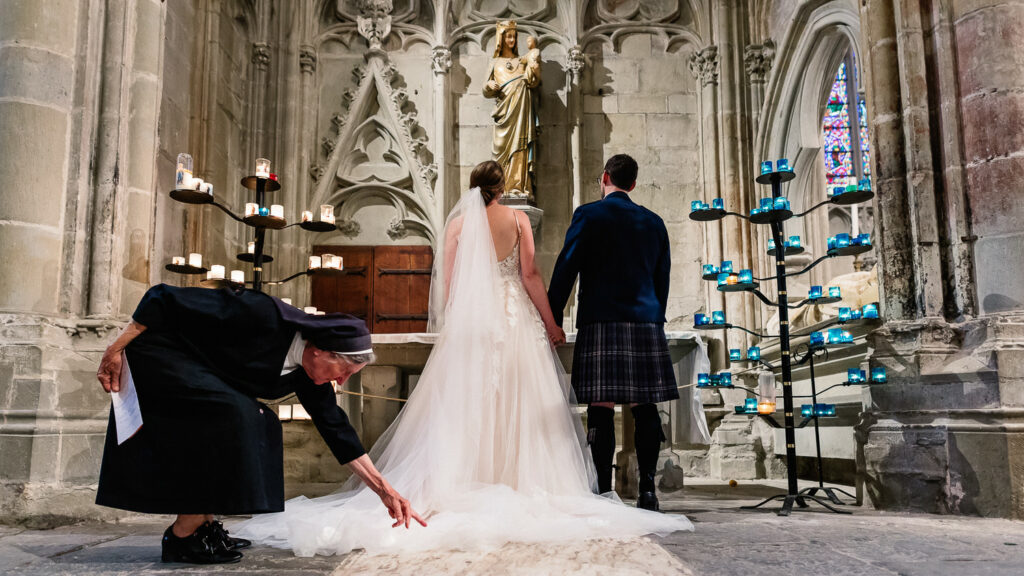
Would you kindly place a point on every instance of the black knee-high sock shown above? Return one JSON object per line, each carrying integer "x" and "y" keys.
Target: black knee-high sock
{"x": 647, "y": 438}
{"x": 601, "y": 437}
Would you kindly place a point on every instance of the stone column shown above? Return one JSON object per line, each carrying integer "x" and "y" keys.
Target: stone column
{"x": 704, "y": 65}
{"x": 441, "y": 63}
{"x": 947, "y": 433}
{"x": 79, "y": 100}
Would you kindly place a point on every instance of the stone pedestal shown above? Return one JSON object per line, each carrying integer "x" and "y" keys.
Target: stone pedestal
{"x": 378, "y": 414}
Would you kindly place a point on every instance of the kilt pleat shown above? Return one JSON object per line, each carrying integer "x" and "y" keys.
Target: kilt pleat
{"x": 623, "y": 362}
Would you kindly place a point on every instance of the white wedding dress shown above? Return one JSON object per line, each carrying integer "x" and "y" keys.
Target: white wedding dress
{"x": 487, "y": 447}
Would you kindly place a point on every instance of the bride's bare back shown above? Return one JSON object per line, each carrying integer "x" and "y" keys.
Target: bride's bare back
{"x": 504, "y": 230}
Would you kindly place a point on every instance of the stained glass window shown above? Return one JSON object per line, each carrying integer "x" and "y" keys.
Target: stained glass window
{"x": 837, "y": 134}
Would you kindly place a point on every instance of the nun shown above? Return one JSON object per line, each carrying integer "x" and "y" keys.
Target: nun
{"x": 200, "y": 359}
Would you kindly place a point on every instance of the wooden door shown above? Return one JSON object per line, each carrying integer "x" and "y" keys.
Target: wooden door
{"x": 387, "y": 286}
{"x": 351, "y": 292}
{"x": 401, "y": 288}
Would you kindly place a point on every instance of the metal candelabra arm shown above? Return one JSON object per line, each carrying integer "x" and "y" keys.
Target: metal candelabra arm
{"x": 805, "y": 270}
{"x": 227, "y": 211}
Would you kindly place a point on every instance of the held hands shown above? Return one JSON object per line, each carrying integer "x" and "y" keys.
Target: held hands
{"x": 109, "y": 373}
{"x": 555, "y": 334}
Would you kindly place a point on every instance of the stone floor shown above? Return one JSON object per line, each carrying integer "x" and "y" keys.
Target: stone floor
{"x": 726, "y": 541}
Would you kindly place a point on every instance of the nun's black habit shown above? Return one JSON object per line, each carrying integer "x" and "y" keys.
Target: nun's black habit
{"x": 207, "y": 445}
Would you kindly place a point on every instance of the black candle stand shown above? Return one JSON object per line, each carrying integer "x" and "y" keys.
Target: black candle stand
{"x": 260, "y": 223}
{"x": 775, "y": 218}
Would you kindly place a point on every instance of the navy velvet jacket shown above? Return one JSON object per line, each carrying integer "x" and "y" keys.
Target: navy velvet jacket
{"x": 620, "y": 251}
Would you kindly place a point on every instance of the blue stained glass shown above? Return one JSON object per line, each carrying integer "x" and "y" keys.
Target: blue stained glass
{"x": 837, "y": 135}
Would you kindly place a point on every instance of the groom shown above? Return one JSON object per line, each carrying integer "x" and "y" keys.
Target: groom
{"x": 620, "y": 251}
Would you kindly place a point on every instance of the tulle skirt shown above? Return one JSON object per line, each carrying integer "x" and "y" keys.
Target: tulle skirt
{"x": 487, "y": 449}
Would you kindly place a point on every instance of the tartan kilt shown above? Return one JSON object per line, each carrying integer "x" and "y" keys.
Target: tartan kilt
{"x": 623, "y": 362}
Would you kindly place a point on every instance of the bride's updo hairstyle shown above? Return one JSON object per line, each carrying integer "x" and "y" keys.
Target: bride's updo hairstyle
{"x": 490, "y": 178}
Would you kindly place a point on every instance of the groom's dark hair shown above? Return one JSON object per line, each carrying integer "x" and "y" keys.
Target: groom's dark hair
{"x": 622, "y": 170}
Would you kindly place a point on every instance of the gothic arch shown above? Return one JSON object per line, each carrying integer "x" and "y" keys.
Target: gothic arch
{"x": 795, "y": 98}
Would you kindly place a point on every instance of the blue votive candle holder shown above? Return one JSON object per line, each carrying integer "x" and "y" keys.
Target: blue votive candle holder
{"x": 793, "y": 242}
{"x": 835, "y": 335}
{"x": 725, "y": 378}
{"x": 824, "y": 409}
{"x": 853, "y": 375}
{"x": 755, "y": 211}
{"x": 842, "y": 240}
{"x": 709, "y": 269}
{"x": 864, "y": 239}
{"x": 766, "y": 167}
{"x": 833, "y": 292}
{"x": 869, "y": 311}
{"x": 264, "y": 211}
{"x": 831, "y": 243}
{"x": 771, "y": 244}
{"x": 806, "y": 410}
{"x": 753, "y": 353}
{"x": 735, "y": 355}
{"x": 814, "y": 293}
{"x": 781, "y": 203}
{"x": 723, "y": 278}
{"x": 837, "y": 190}
{"x": 750, "y": 405}
{"x": 700, "y": 320}
{"x": 847, "y": 338}
{"x": 746, "y": 277}
{"x": 865, "y": 184}
{"x": 855, "y": 314}
{"x": 817, "y": 339}
{"x": 703, "y": 379}
{"x": 718, "y": 317}
{"x": 696, "y": 205}
{"x": 718, "y": 204}
{"x": 726, "y": 267}
{"x": 782, "y": 165}
{"x": 844, "y": 314}
{"x": 767, "y": 203}
{"x": 878, "y": 375}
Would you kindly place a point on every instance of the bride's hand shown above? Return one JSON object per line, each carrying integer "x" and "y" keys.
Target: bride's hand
{"x": 555, "y": 334}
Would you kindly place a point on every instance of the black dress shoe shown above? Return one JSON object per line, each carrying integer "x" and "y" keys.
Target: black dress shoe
{"x": 220, "y": 534}
{"x": 647, "y": 501}
{"x": 199, "y": 548}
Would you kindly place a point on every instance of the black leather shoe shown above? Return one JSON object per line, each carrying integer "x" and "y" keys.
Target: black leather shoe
{"x": 220, "y": 535}
{"x": 199, "y": 548}
{"x": 647, "y": 501}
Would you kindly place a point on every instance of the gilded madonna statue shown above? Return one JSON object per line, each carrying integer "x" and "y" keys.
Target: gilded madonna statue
{"x": 512, "y": 81}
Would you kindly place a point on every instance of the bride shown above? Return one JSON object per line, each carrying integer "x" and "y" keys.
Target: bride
{"x": 487, "y": 447}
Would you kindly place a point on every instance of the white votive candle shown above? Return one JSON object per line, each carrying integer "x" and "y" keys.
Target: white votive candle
{"x": 328, "y": 260}
{"x": 195, "y": 260}
{"x": 307, "y": 216}
{"x": 237, "y": 276}
{"x": 197, "y": 183}
{"x": 262, "y": 168}
{"x": 327, "y": 213}
{"x": 206, "y": 187}
{"x": 314, "y": 262}
{"x": 336, "y": 262}
{"x": 309, "y": 309}
{"x": 251, "y": 209}
{"x": 178, "y": 260}
{"x": 251, "y": 248}
{"x": 217, "y": 272}
{"x": 277, "y": 210}
{"x": 287, "y": 301}
{"x": 321, "y": 313}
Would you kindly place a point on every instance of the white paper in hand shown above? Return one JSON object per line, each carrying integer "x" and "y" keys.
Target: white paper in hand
{"x": 127, "y": 415}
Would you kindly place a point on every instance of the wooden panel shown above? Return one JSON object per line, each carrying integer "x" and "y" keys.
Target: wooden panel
{"x": 350, "y": 293}
{"x": 401, "y": 288}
